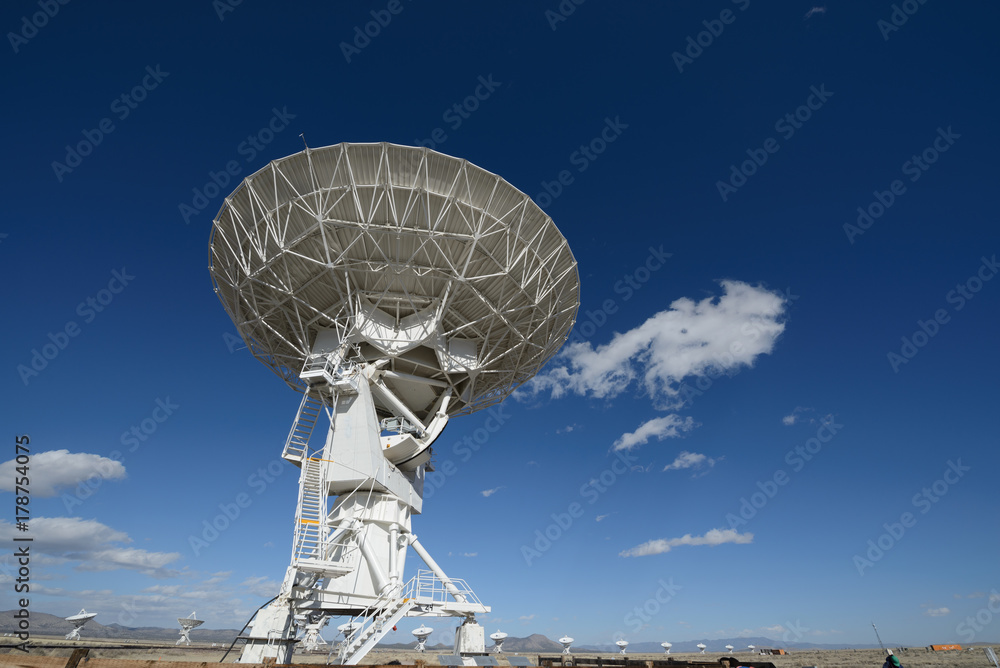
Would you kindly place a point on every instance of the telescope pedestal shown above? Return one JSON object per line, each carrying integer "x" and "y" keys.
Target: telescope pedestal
{"x": 349, "y": 559}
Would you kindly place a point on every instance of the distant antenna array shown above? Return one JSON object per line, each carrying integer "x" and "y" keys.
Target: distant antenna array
{"x": 187, "y": 623}
{"x": 78, "y": 621}
{"x": 566, "y": 642}
{"x": 498, "y": 639}
{"x": 702, "y": 646}
{"x": 666, "y": 647}
{"x": 622, "y": 646}
{"x": 422, "y": 634}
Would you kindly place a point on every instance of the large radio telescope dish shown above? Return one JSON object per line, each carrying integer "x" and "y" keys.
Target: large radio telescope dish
{"x": 392, "y": 252}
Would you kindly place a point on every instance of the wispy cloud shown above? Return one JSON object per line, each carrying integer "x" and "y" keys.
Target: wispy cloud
{"x": 261, "y": 585}
{"x": 92, "y": 545}
{"x": 689, "y": 460}
{"x": 601, "y": 518}
{"x": 813, "y": 12}
{"x": 689, "y": 339}
{"x": 937, "y": 612}
{"x": 712, "y": 538}
{"x": 53, "y": 470}
{"x": 797, "y": 415}
{"x": 490, "y": 492}
{"x": 668, "y": 426}
{"x": 469, "y": 554}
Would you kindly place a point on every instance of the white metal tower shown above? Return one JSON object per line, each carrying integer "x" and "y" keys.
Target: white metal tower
{"x": 395, "y": 287}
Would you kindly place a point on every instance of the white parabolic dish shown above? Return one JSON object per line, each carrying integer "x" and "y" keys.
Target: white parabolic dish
{"x": 456, "y": 277}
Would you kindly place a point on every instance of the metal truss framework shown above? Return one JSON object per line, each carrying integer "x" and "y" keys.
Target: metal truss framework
{"x": 445, "y": 269}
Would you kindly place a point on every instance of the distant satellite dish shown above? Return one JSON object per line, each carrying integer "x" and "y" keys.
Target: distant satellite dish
{"x": 422, "y": 633}
{"x": 498, "y": 639}
{"x": 702, "y": 647}
{"x": 566, "y": 642}
{"x": 349, "y": 629}
{"x": 78, "y": 621}
{"x": 729, "y": 648}
{"x": 751, "y": 648}
{"x": 313, "y": 624}
{"x": 666, "y": 646}
{"x": 622, "y": 645}
{"x": 187, "y": 623}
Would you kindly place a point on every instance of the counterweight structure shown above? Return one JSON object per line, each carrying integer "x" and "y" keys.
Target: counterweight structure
{"x": 395, "y": 288}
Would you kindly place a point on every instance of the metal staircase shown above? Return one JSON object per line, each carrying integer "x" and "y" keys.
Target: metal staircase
{"x": 297, "y": 444}
{"x": 374, "y": 625}
{"x": 310, "y": 525}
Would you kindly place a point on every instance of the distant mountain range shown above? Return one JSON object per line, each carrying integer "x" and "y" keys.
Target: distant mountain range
{"x": 43, "y": 624}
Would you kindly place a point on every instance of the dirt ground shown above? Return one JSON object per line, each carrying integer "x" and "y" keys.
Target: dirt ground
{"x": 863, "y": 658}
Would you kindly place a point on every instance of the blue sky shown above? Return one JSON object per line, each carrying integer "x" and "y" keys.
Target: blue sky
{"x": 808, "y": 182}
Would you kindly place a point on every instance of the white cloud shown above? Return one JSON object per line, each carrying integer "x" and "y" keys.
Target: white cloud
{"x": 668, "y": 426}
{"x": 601, "y": 518}
{"x": 490, "y": 492}
{"x": 469, "y": 554}
{"x": 797, "y": 416}
{"x": 689, "y": 339}
{"x": 52, "y": 470}
{"x": 688, "y": 460}
{"x": 526, "y": 618}
{"x": 166, "y": 590}
{"x": 261, "y": 585}
{"x": 713, "y": 537}
{"x": 937, "y": 612}
{"x": 815, "y": 10}
{"x": 95, "y": 546}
